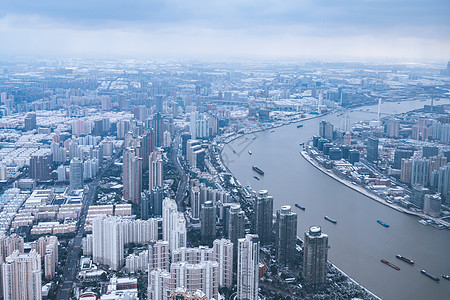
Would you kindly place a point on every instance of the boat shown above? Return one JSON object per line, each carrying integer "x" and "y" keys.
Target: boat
{"x": 258, "y": 170}
{"x": 300, "y": 126}
{"x": 446, "y": 277}
{"x": 299, "y": 206}
{"x": 382, "y": 223}
{"x": 423, "y": 222}
{"x": 429, "y": 275}
{"x": 256, "y": 177}
{"x": 390, "y": 264}
{"x": 407, "y": 260}
{"x": 249, "y": 152}
{"x": 330, "y": 219}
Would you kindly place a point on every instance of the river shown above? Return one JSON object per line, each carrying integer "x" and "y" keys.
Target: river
{"x": 357, "y": 241}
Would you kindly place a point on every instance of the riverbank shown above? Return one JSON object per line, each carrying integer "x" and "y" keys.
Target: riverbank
{"x": 365, "y": 192}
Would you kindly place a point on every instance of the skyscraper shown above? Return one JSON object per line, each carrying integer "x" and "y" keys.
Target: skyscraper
{"x": 30, "y": 122}
{"x": 420, "y": 171}
{"x": 286, "y": 235}
{"x": 248, "y": 270}
{"x": 40, "y": 165}
{"x": 108, "y": 241}
{"x": 158, "y": 130}
{"x": 223, "y": 251}
{"x": 155, "y": 169}
{"x": 145, "y": 205}
{"x": 195, "y": 202}
{"x": 156, "y": 198}
{"x": 174, "y": 225}
{"x": 264, "y": 216}
{"x": 315, "y": 256}
{"x": 372, "y": 149}
{"x": 21, "y": 276}
{"x": 208, "y": 222}
{"x": 132, "y": 176}
{"x": 432, "y": 205}
{"x": 76, "y": 174}
{"x": 236, "y": 225}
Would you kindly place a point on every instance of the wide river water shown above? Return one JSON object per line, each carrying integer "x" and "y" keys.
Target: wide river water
{"x": 357, "y": 241}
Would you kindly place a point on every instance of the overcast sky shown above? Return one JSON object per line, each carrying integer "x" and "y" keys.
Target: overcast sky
{"x": 327, "y": 29}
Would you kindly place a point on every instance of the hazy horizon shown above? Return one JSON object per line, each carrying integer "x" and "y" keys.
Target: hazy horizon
{"x": 319, "y": 30}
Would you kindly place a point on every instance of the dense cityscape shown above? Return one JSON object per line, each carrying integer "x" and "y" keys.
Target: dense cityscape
{"x": 117, "y": 177}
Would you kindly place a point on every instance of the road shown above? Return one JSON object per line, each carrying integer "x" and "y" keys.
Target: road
{"x": 74, "y": 250}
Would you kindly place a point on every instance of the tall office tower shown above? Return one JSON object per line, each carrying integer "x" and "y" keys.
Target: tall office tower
{"x": 174, "y": 225}
{"x": 40, "y": 166}
{"x": 248, "y": 270}
{"x": 155, "y": 169}
{"x": 400, "y": 154}
{"x": 264, "y": 216}
{"x": 47, "y": 248}
{"x": 184, "y": 138}
{"x": 372, "y": 149}
{"x": 159, "y": 100}
{"x": 156, "y": 198}
{"x": 223, "y": 252}
{"x": 132, "y": 176}
{"x": 236, "y": 225}
{"x": 195, "y": 202}
{"x": 157, "y": 128}
{"x": 21, "y": 276}
{"x": 208, "y": 222}
{"x": 145, "y": 205}
{"x": 108, "y": 241}
{"x": 76, "y": 174}
{"x": 443, "y": 185}
{"x": 326, "y": 130}
{"x": 9, "y": 244}
{"x": 432, "y": 205}
{"x": 158, "y": 255}
{"x": 315, "y": 256}
{"x": 420, "y": 171}
{"x": 286, "y": 235}
{"x": 147, "y": 147}
{"x": 30, "y": 122}
{"x": 406, "y": 170}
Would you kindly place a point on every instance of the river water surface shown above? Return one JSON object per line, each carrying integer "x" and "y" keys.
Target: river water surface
{"x": 357, "y": 241}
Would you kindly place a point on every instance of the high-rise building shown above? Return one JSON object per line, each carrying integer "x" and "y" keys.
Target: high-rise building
{"x": 174, "y": 225}
{"x": 393, "y": 128}
{"x": 428, "y": 151}
{"x": 145, "y": 205}
{"x": 264, "y": 216}
{"x": 432, "y": 205}
{"x": 40, "y": 165}
{"x": 420, "y": 171}
{"x": 30, "y": 122}
{"x": 157, "y": 126}
{"x": 47, "y": 248}
{"x": 418, "y": 195}
{"x": 76, "y": 174}
{"x": 286, "y": 235}
{"x": 108, "y": 241}
{"x": 326, "y": 130}
{"x": 236, "y": 225}
{"x": 248, "y": 267}
{"x": 195, "y": 202}
{"x": 223, "y": 252}
{"x": 156, "y": 198}
{"x": 132, "y": 176}
{"x": 400, "y": 154}
{"x": 406, "y": 170}
{"x": 21, "y": 276}
{"x": 155, "y": 169}
{"x": 158, "y": 255}
{"x": 443, "y": 186}
{"x": 372, "y": 149}
{"x": 315, "y": 256}
{"x": 8, "y": 244}
{"x": 208, "y": 222}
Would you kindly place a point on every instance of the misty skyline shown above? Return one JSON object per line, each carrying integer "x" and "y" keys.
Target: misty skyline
{"x": 411, "y": 30}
